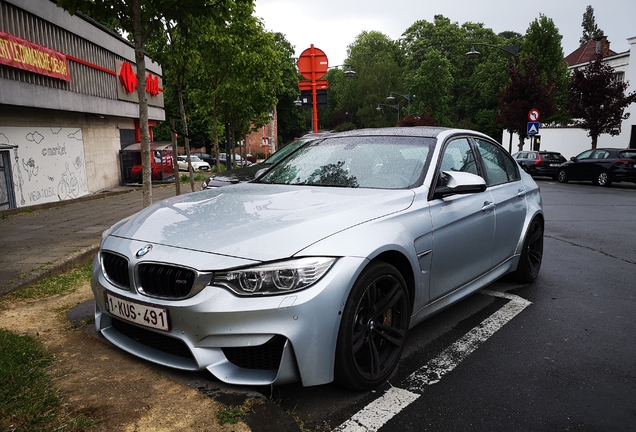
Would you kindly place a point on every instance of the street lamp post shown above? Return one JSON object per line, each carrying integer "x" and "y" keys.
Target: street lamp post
{"x": 513, "y": 50}
{"x": 395, "y": 107}
{"x": 510, "y": 49}
{"x": 405, "y": 96}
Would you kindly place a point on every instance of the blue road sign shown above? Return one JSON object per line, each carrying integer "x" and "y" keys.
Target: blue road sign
{"x": 533, "y": 128}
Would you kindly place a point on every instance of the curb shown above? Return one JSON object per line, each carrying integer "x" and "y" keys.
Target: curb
{"x": 76, "y": 259}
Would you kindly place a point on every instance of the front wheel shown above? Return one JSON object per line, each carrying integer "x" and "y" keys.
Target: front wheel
{"x": 373, "y": 328}
{"x": 531, "y": 255}
{"x": 562, "y": 176}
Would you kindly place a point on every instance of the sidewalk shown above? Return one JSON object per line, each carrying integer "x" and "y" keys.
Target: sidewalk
{"x": 42, "y": 240}
{"x": 50, "y": 239}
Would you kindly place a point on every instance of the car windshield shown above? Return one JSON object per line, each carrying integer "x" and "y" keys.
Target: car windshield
{"x": 194, "y": 158}
{"x": 355, "y": 162}
{"x": 283, "y": 152}
{"x": 628, "y": 154}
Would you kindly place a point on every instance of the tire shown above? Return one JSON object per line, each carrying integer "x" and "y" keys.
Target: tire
{"x": 531, "y": 255}
{"x": 373, "y": 329}
{"x": 562, "y": 176}
{"x": 603, "y": 179}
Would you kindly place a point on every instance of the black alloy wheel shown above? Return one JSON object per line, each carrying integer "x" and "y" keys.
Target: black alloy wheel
{"x": 373, "y": 328}
{"x": 531, "y": 255}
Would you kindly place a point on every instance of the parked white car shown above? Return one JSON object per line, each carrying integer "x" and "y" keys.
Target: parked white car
{"x": 197, "y": 163}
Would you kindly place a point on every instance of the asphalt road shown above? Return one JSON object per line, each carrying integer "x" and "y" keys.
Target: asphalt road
{"x": 565, "y": 361}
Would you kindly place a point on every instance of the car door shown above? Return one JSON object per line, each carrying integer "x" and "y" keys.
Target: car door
{"x": 508, "y": 191}
{"x": 598, "y": 162}
{"x": 463, "y": 225}
{"x": 580, "y": 166}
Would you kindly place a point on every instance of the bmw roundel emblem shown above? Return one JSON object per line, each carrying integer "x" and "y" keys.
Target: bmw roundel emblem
{"x": 144, "y": 251}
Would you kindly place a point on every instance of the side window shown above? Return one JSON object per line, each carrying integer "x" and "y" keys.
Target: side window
{"x": 457, "y": 156}
{"x": 585, "y": 154}
{"x": 601, "y": 154}
{"x": 500, "y": 168}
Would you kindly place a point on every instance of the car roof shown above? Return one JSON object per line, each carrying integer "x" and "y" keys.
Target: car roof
{"x": 415, "y": 131}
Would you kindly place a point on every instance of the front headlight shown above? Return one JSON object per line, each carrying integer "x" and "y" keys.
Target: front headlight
{"x": 276, "y": 278}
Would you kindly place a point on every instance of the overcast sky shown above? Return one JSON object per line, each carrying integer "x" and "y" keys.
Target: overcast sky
{"x": 332, "y": 25}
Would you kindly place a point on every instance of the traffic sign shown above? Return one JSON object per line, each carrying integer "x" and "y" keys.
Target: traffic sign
{"x": 534, "y": 115}
{"x": 313, "y": 63}
{"x": 533, "y": 128}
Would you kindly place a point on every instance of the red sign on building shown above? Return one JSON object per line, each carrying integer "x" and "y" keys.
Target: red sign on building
{"x": 23, "y": 54}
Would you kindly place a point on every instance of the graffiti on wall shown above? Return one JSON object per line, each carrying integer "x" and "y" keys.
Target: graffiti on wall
{"x": 48, "y": 163}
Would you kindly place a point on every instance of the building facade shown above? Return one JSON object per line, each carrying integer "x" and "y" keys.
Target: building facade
{"x": 68, "y": 103}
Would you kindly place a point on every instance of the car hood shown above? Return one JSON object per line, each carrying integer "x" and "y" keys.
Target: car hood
{"x": 257, "y": 221}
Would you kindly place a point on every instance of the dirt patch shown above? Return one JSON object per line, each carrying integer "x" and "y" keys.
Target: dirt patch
{"x": 120, "y": 392}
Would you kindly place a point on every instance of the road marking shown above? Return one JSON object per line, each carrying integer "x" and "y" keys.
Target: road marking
{"x": 375, "y": 415}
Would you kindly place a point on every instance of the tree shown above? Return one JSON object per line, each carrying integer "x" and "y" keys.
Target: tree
{"x": 141, "y": 19}
{"x": 524, "y": 92}
{"x": 432, "y": 82}
{"x": 376, "y": 60}
{"x": 597, "y": 101}
{"x": 543, "y": 42}
{"x": 590, "y": 29}
{"x": 290, "y": 118}
{"x": 240, "y": 73}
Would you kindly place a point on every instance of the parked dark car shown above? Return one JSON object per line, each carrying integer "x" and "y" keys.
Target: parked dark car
{"x": 602, "y": 166}
{"x": 245, "y": 174}
{"x": 205, "y": 157}
{"x": 238, "y": 160}
{"x": 540, "y": 163}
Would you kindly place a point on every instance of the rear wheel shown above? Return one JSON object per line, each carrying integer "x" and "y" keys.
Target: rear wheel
{"x": 531, "y": 255}
{"x": 562, "y": 176}
{"x": 602, "y": 179}
{"x": 373, "y": 328}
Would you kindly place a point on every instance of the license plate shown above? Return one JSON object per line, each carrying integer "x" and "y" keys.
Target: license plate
{"x": 554, "y": 165}
{"x": 138, "y": 313}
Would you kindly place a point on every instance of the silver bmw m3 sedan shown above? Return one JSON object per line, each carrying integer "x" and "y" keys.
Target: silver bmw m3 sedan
{"x": 316, "y": 270}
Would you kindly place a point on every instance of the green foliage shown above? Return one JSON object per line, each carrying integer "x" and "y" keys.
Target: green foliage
{"x": 597, "y": 100}
{"x": 524, "y": 92}
{"x": 543, "y": 42}
{"x": 30, "y": 402}
{"x": 590, "y": 29}
{"x": 54, "y": 285}
{"x": 233, "y": 414}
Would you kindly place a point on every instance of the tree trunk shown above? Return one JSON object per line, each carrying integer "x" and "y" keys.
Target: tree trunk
{"x": 594, "y": 141}
{"x": 521, "y": 141}
{"x": 143, "y": 104}
{"x": 175, "y": 165}
{"x": 184, "y": 120}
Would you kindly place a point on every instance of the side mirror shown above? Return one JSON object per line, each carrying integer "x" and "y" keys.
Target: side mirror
{"x": 460, "y": 183}
{"x": 574, "y": 159}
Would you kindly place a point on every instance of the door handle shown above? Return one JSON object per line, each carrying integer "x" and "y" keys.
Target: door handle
{"x": 488, "y": 206}
{"x": 521, "y": 193}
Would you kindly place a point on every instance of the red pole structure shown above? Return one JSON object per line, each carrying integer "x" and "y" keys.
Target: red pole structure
{"x": 314, "y": 96}
{"x": 313, "y": 64}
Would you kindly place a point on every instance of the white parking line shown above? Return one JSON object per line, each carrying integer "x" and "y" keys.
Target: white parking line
{"x": 375, "y": 415}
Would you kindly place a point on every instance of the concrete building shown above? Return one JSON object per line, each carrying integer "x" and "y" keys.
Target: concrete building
{"x": 68, "y": 103}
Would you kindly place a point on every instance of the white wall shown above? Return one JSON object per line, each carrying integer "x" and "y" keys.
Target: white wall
{"x": 48, "y": 164}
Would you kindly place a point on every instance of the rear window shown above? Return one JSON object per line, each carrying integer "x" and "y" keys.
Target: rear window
{"x": 627, "y": 154}
{"x": 551, "y": 156}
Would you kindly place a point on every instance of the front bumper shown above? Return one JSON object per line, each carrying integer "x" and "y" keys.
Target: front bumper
{"x": 240, "y": 340}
